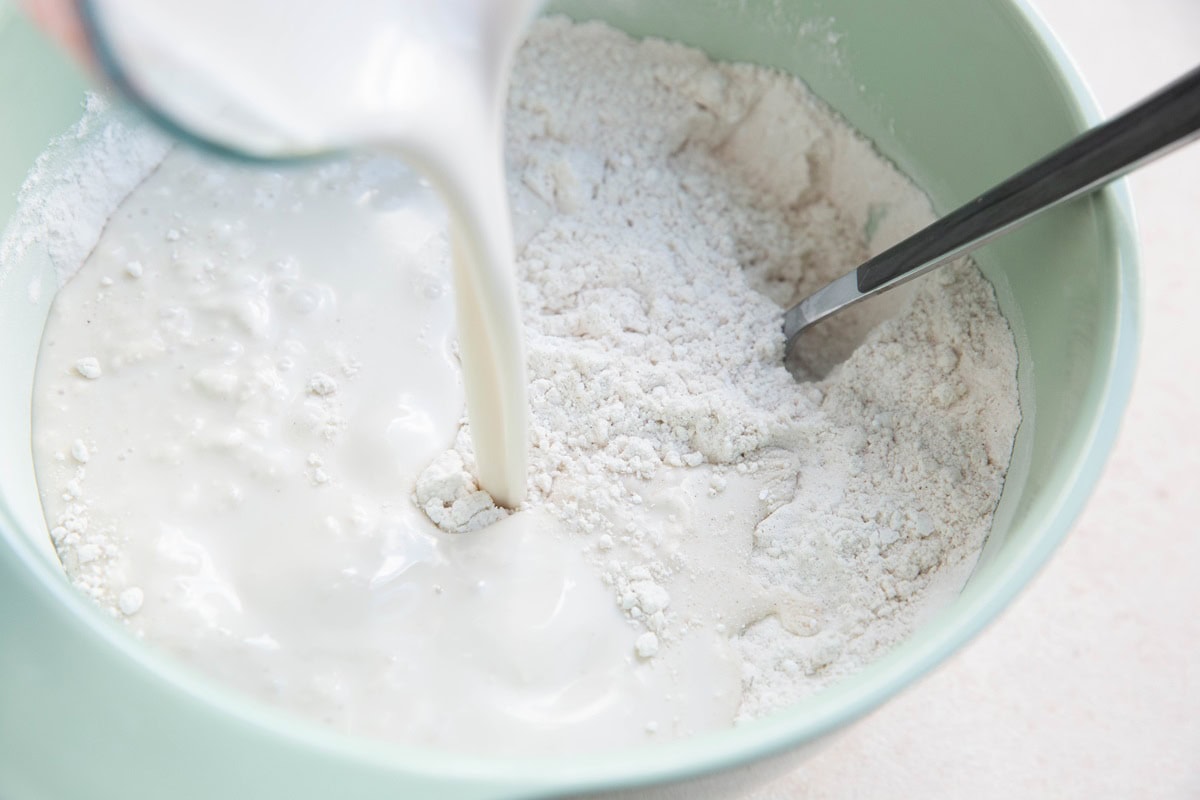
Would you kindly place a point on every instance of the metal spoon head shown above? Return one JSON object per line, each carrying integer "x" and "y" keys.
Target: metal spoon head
{"x": 829, "y": 299}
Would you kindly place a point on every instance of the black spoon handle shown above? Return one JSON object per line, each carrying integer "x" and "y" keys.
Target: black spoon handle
{"x": 1162, "y": 122}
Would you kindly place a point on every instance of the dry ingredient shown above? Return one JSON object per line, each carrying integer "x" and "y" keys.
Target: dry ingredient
{"x": 746, "y": 531}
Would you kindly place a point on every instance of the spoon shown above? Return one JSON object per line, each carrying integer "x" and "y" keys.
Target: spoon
{"x": 1164, "y": 121}
{"x": 1157, "y": 125}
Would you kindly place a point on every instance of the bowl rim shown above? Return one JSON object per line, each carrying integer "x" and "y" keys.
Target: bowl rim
{"x": 695, "y": 757}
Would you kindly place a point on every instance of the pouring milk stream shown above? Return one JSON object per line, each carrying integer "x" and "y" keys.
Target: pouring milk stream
{"x": 425, "y": 79}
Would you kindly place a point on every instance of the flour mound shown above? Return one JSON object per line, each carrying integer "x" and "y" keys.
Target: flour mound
{"x": 75, "y": 186}
{"x": 668, "y": 208}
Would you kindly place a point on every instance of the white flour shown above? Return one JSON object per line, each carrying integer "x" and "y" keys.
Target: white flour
{"x": 76, "y": 185}
{"x": 703, "y": 188}
{"x": 666, "y": 207}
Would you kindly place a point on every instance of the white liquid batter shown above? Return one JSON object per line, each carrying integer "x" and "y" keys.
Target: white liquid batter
{"x": 424, "y": 79}
{"x": 252, "y": 441}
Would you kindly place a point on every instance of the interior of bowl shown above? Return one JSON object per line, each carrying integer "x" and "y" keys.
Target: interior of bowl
{"x": 958, "y": 95}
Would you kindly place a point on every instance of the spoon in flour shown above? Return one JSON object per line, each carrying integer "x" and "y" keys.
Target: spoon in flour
{"x": 1166, "y": 120}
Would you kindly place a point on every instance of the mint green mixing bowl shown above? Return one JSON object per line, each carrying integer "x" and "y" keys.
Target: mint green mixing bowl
{"x": 958, "y": 94}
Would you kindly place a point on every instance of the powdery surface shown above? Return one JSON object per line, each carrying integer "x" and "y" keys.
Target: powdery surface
{"x": 666, "y": 207}
{"x": 67, "y": 199}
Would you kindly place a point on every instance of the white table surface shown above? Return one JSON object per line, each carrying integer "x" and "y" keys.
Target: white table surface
{"x": 1089, "y": 685}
